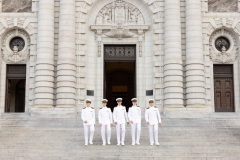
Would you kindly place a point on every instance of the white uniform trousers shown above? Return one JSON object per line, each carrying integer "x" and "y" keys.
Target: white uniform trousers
{"x": 86, "y": 128}
{"x": 123, "y": 126}
{"x": 155, "y": 129}
{"x": 103, "y": 127}
{"x": 133, "y": 129}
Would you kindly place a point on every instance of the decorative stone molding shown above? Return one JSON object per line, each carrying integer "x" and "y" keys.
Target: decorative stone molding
{"x": 228, "y": 52}
{"x": 119, "y": 19}
{"x": 16, "y": 54}
{"x": 119, "y": 11}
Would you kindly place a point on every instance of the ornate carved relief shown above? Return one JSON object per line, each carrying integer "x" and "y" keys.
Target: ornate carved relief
{"x": 223, "y": 46}
{"x": 119, "y": 31}
{"x": 16, "y": 47}
{"x": 223, "y": 5}
{"x": 17, "y": 5}
{"x": 119, "y": 11}
{"x": 119, "y": 19}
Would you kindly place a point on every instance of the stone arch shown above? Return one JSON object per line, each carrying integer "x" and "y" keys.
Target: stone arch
{"x": 21, "y": 23}
{"x": 142, "y": 6}
{"x": 153, "y": 42}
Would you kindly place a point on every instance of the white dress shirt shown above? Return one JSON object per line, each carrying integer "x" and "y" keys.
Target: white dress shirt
{"x": 134, "y": 114}
{"x": 88, "y": 114}
{"x": 120, "y": 115}
{"x": 105, "y": 116}
{"x": 152, "y": 115}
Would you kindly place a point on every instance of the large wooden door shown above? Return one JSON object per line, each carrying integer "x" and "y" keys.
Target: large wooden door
{"x": 223, "y": 88}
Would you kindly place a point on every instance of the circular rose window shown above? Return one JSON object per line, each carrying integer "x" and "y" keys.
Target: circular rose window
{"x": 18, "y": 42}
{"x": 222, "y": 42}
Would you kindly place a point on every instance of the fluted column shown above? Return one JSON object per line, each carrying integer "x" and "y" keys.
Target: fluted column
{"x": 66, "y": 69}
{"x": 195, "y": 81}
{"x": 173, "y": 70}
{"x": 44, "y": 75}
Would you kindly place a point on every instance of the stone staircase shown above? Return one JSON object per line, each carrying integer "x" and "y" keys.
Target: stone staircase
{"x": 23, "y": 137}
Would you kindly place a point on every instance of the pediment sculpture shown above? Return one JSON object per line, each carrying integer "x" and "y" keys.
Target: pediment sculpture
{"x": 119, "y": 19}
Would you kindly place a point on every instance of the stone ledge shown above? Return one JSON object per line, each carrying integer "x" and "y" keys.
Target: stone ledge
{"x": 53, "y": 112}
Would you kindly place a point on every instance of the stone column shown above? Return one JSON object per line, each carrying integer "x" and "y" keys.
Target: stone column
{"x": 195, "y": 81}
{"x": 44, "y": 75}
{"x": 173, "y": 70}
{"x": 66, "y": 65}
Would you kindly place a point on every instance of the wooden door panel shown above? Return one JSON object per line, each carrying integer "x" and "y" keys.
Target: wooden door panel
{"x": 223, "y": 89}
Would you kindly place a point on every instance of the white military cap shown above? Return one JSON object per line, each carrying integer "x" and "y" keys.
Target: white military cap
{"x": 104, "y": 101}
{"x": 119, "y": 99}
{"x": 151, "y": 101}
{"x": 134, "y": 100}
{"x": 88, "y": 101}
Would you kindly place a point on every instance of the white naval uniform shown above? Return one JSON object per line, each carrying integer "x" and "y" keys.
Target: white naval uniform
{"x": 152, "y": 116}
{"x": 105, "y": 118}
{"x": 134, "y": 114}
{"x": 120, "y": 116}
{"x": 88, "y": 114}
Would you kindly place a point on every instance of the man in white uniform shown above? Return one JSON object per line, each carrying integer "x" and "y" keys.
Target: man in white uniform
{"x": 88, "y": 117}
{"x": 120, "y": 118}
{"x": 105, "y": 121}
{"x": 134, "y": 116}
{"x": 153, "y": 119}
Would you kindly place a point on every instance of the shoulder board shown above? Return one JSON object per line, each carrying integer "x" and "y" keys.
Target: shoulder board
{"x": 124, "y": 106}
{"x": 101, "y": 108}
{"x": 92, "y": 107}
{"x": 148, "y": 107}
{"x": 84, "y": 108}
{"x": 138, "y": 106}
{"x": 155, "y": 107}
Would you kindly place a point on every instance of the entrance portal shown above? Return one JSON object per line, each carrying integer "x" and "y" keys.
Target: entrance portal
{"x": 120, "y": 74}
{"x": 15, "y": 88}
{"x": 223, "y": 88}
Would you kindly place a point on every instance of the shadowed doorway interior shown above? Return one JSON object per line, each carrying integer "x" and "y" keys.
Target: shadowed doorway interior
{"x": 120, "y": 74}
{"x": 15, "y": 88}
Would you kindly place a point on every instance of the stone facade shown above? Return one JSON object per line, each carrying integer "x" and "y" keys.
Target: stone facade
{"x": 223, "y": 5}
{"x": 175, "y": 51}
{"x": 17, "y": 5}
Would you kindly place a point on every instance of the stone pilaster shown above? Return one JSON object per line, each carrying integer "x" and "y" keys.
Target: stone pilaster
{"x": 66, "y": 65}
{"x": 195, "y": 81}
{"x": 44, "y": 71}
{"x": 173, "y": 70}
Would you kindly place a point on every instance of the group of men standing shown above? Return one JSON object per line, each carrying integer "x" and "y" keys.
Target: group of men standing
{"x": 120, "y": 117}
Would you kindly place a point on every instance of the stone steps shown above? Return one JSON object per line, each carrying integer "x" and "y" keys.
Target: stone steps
{"x": 23, "y": 137}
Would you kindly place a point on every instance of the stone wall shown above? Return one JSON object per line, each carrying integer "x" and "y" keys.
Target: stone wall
{"x": 151, "y": 72}
{"x": 16, "y": 5}
{"x": 223, "y": 5}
